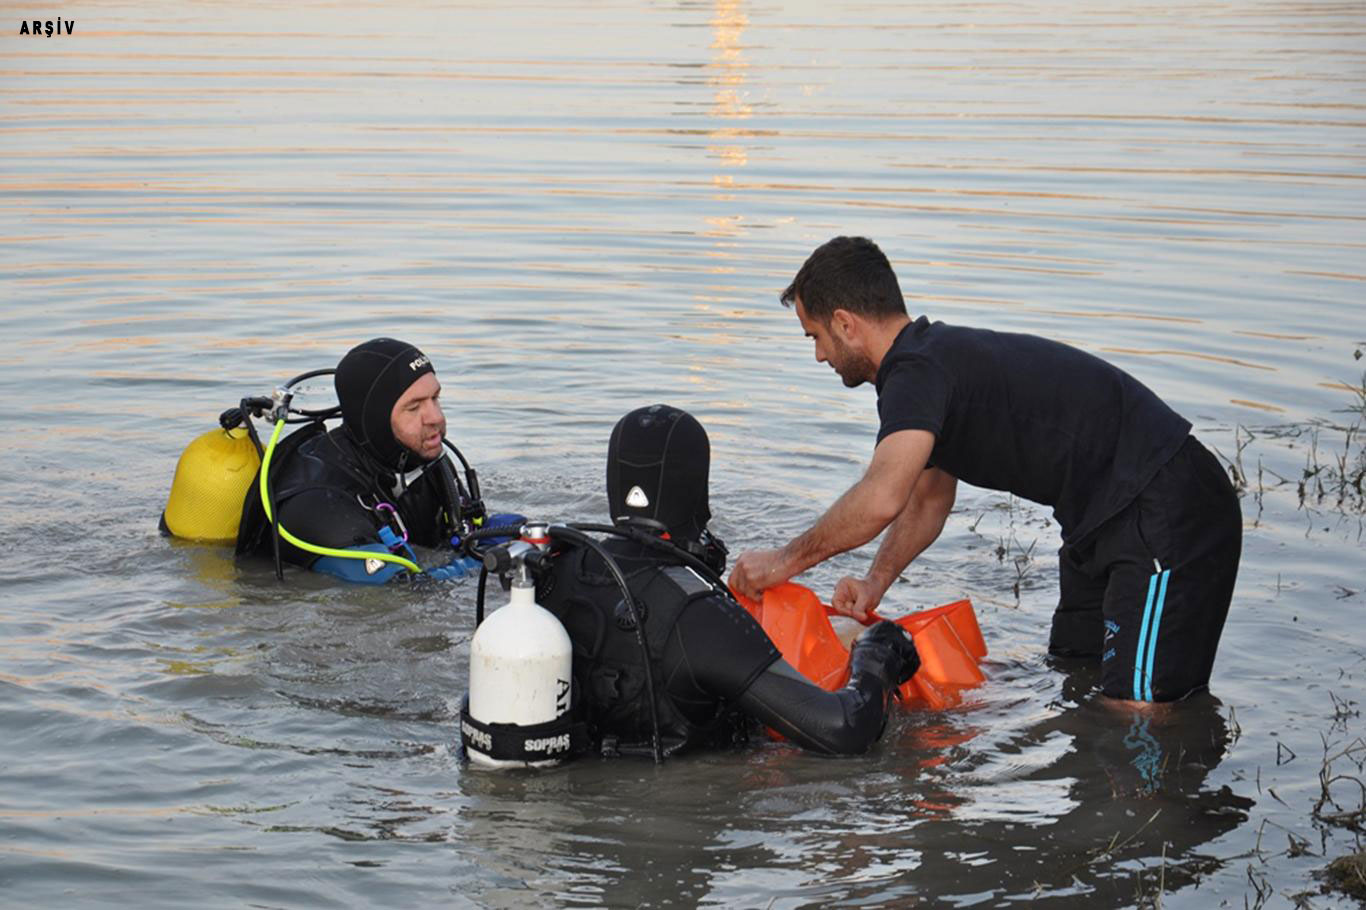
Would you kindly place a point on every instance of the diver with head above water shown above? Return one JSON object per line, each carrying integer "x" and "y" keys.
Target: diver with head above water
{"x": 663, "y": 657}
{"x": 349, "y": 502}
{"x": 376, "y": 485}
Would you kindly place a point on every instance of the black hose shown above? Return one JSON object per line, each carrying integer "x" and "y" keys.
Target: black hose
{"x": 312, "y": 416}
{"x": 479, "y": 534}
{"x": 642, "y": 536}
{"x": 249, "y": 404}
{"x": 471, "y": 478}
{"x": 311, "y": 374}
{"x": 455, "y": 451}
{"x": 275, "y": 527}
{"x": 319, "y": 414}
{"x": 245, "y": 417}
{"x": 468, "y": 541}
{"x": 479, "y": 598}
{"x": 450, "y": 493}
{"x": 574, "y": 535}
{"x": 495, "y": 531}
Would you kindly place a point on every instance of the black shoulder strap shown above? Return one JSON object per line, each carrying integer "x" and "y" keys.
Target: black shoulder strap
{"x": 689, "y": 582}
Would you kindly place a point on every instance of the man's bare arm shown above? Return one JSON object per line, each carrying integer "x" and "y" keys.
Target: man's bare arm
{"x": 919, "y": 525}
{"x": 857, "y": 517}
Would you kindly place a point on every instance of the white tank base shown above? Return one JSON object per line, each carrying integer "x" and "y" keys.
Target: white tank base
{"x": 521, "y": 679}
{"x": 483, "y": 761}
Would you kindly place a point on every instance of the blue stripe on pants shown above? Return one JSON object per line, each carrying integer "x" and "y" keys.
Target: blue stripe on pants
{"x": 1143, "y": 639}
{"x": 1152, "y": 640}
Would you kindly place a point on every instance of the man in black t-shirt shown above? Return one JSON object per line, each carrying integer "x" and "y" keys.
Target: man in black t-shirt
{"x": 1151, "y": 526}
{"x": 709, "y": 660}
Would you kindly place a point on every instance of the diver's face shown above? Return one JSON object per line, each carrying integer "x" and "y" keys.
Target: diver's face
{"x": 417, "y": 421}
{"x": 853, "y": 367}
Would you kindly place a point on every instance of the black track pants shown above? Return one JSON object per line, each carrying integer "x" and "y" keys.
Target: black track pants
{"x": 1148, "y": 591}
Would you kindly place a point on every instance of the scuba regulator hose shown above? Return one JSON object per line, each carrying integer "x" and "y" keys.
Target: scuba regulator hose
{"x": 469, "y": 543}
{"x": 630, "y": 530}
{"x": 282, "y": 532}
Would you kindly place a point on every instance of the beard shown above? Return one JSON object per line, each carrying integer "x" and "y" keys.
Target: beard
{"x": 853, "y": 369}
{"x": 852, "y": 380}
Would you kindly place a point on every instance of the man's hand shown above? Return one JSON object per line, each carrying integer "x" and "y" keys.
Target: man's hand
{"x": 857, "y": 596}
{"x": 758, "y": 570}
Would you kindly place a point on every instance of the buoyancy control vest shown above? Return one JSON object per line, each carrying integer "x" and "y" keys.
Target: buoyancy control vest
{"x": 331, "y": 469}
{"x": 609, "y": 668}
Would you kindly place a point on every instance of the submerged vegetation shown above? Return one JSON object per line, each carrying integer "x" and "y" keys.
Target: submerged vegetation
{"x": 1348, "y": 875}
{"x": 1333, "y": 476}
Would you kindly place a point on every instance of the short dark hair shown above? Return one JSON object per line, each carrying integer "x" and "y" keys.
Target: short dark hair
{"x": 847, "y": 273}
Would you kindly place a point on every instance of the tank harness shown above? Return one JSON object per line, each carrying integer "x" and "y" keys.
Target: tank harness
{"x": 637, "y": 691}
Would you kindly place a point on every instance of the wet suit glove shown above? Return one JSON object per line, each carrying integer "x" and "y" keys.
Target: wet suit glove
{"x": 885, "y": 652}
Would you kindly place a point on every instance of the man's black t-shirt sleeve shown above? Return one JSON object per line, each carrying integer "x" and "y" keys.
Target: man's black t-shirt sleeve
{"x": 914, "y": 394}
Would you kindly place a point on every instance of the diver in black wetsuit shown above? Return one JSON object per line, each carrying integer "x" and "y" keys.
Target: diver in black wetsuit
{"x": 378, "y": 483}
{"x": 712, "y": 661}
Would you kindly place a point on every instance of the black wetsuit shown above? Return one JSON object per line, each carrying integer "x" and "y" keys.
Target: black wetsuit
{"x": 1151, "y": 527}
{"x": 328, "y": 491}
{"x": 713, "y": 663}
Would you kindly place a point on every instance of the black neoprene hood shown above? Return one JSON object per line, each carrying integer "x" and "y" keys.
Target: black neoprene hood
{"x": 370, "y": 379}
{"x": 658, "y": 462}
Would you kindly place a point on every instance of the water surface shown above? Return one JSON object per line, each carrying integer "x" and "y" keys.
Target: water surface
{"x": 577, "y": 210}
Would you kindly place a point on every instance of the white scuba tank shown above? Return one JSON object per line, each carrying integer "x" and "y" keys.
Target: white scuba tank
{"x": 520, "y": 674}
